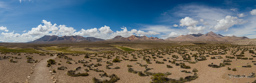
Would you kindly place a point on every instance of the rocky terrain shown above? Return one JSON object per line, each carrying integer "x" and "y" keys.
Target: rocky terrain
{"x": 221, "y": 63}
{"x": 65, "y": 39}
{"x": 208, "y": 37}
{"x": 130, "y": 60}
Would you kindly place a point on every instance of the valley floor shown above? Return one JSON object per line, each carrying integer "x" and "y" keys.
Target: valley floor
{"x": 185, "y": 63}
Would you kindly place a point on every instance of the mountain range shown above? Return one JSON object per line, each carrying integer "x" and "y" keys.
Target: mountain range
{"x": 210, "y": 36}
{"x": 65, "y": 39}
{"x": 135, "y": 38}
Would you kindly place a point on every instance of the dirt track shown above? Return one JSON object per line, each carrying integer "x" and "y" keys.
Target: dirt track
{"x": 41, "y": 72}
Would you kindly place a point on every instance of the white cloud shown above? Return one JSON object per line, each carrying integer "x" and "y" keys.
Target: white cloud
{"x": 248, "y": 29}
{"x": 3, "y": 29}
{"x": 241, "y": 15}
{"x": 62, "y": 30}
{"x": 191, "y": 25}
{"x": 20, "y": 1}
{"x": 253, "y": 12}
{"x": 175, "y": 25}
{"x": 207, "y": 16}
{"x": 173, "y": 34}
{"x": 165, "y": 31}
{"x": 201, "y": 20}
{"x": 187, "y": 21}
{"x": 227, "y": 22}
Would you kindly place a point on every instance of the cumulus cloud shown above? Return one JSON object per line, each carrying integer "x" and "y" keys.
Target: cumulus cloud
{"x": 241, "y": 15}
{"x": 201, "y": 20}
{"x": 207, "y": 17}
{"x": 3, "y": 29}
{"x": 208, "y": 14}
{"x": 47, "y": 28}
{"x": 253, "y": 12}
{"x": 187, "y": 21}
{"x": 227, "y": 22}
{"x": 173, "y": 34}
{"x": 175, "y": 25}
{"x": 191, "y": 25}
{"x": 248, "y": 29}
{"x": 165, "y": 31}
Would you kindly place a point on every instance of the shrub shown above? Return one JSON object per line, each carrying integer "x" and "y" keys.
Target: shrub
{"x": 73, "y": 74}
{"x": 247, "y": 66}
{"x": 113, "y": 79}
{"x": 251, "y": 51}
{"x": 130, "y": 70}
{"x": 254, "y": 81}
{"x": 195, "y": 70}
{"x": 117, "y": 68}
{"x": 29, "y": 59}
{"x": 141, "y": 74}
{"x": 159, "y": 78}
{"x": 234, "y": 69}
{"x": 62, "y": 68}
{"x": 116, "y": 60}
{"x": 182, "y": 65}
{"x": 68, "y": 62}
{"x": 229, "y": 68}
{"x": 54, "y": 71}
{"x": 158, "y": 62}
{"x": 50, "y": 62}
{"x": 169, "y": 66}
{"x": 12, "y": 61}
{"x": 129, "y": 65}
{"x": 86, "y": 56}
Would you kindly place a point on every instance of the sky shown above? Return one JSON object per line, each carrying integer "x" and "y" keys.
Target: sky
{"x": 27, "y": 20}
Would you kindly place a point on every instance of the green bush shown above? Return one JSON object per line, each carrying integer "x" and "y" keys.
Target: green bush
{"x": 116, "y": 60}
{"x": 141, "y": 74}
{"x": 159, "y": 78}
{"x": 113, "y": 79}
{"x": 195, "y": 70}
{"x": 73, "y": 73}
{"x": 129, "y": 65}
{"x": 229, "y": 68}
{"x": 50, "y": 62}
{"x": 169, "y": 66}
{"x": 234, "y": 69}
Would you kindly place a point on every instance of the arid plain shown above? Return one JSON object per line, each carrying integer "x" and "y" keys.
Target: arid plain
{"x": 128, "y": 62}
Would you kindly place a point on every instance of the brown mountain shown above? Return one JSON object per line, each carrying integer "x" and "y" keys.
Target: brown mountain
{"x": 135, "y": 38}
{"x": 211, "y": 36}
{"x": 64, "y": 39}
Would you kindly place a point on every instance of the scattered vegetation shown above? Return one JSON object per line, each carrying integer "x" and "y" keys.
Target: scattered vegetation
{"x": 50, "y": 62}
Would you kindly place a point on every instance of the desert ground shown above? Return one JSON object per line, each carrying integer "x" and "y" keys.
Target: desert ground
{"x": 127, "y": 63}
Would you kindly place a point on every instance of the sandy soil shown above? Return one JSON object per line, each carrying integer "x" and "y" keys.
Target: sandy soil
{"x": 17, "y": 72}
{"x": 158, "y": 61}
{"x": 41, "y": 72}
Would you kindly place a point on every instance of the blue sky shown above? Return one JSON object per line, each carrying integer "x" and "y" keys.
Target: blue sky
{"x": 27, "y": 20}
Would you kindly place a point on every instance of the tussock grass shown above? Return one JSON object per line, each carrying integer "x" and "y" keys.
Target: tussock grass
{"x": 62, "y": 49}
{"x": 18, "y": 50}
{"x": 126, "y": 49}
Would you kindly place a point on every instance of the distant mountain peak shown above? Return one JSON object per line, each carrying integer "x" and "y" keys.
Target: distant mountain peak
{"x": 134, "y": 38}
{"x": 197, "y": 35}
{"x": 210, "y": 36}
{"x": 64, "y": 39}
